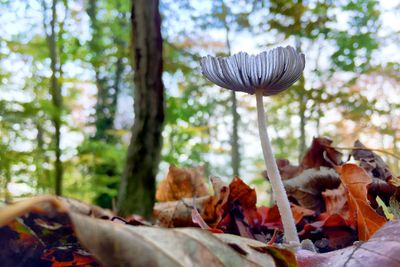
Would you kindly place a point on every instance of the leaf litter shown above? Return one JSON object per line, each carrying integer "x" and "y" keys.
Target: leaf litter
{"x": 334, "y": 205}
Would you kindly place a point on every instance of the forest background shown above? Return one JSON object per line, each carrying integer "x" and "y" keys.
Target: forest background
{"x": 67, "y": 91}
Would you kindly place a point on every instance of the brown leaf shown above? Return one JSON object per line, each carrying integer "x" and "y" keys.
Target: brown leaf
{"x": 179, "y": 213}
{"x": 329, "y": 233}
{"x": 382, "y": 189}
{"x": 306, "y": 188}
{"x": 197, "y": 219}
{"x": 241, "y": 193}
{"x": 371, "y": 162}
{"x": 356, "y": 179}
{"x": 300, "y": 212}
{"x": 286, "y": 169}
{"x": 336, "y": 201}
{"x": 115, "y": 244}
{"x": 315, "y": 158}
{"x": 382, "y": 249}
{"x": 182, "y": 183}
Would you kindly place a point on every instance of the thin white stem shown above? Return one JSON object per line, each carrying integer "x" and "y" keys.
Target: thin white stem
{"x": 280, "y": 195}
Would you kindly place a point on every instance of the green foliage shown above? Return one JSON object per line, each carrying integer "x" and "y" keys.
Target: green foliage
{"x": 346, "y": 66}
{"x": 102, "y": 163}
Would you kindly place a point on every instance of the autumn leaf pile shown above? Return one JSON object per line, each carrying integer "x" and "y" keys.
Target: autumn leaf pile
{"x": 334, "y": 203}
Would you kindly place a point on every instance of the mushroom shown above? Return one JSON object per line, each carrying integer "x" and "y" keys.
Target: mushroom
{"x": 265, "y": 74}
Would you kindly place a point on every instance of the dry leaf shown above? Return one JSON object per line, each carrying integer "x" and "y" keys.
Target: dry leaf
{"x": 182, "y": 183}
{"x": 356, "y": 179}
{"x": 336, "y": 201}
{"x": 329, "y": 233}
{"x": 314, "y": 156}
{"x": 115, "y": 244}
{"x": 382, "y": 249}
{"x": 371, "y": 162}
{"x": 286, "y": 169}
{"x": 306, "y": 188}
{"x": 300, "y": 212}
{"x": 179, "y": 213}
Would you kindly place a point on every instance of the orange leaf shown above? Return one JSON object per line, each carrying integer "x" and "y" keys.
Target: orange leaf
{"x": 336, "y": 201}
{"x": 182, "y": 183}
{"x": 355, "y": 179}
{"x": 299, "y": 212}
{"x": 247, "y": 198}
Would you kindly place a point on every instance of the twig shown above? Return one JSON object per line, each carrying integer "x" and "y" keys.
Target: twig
{"x": 367, "y": 148}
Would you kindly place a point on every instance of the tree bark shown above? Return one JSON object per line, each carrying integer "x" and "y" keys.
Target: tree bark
{"x": 302, "y": 105}
{"x": 137, "y": 189}
{"x": 235, "y": 153}
{"x": 55, "y": 92}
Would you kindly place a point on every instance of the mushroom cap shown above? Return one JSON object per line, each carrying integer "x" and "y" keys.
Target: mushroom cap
{"x": 273, "y": 71}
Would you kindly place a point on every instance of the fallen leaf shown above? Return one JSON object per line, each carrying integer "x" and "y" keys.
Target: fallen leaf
{"x": 306, "y": 188}
{"x": 197, "y": 219}
{"x": 43, "y": 236}
{"x": 371, "y": 162}
{"x": 179, "y": 213}
{"x": 286, "y": 169}
{"x": 382, "y": 249}
{"x": 330, "y": 232}
{"x": 380, "y": 188}
{"x": 246, "y": 197}
{"x": 356, "y": 179}
{"x": 300, "y": 212}
{"x": 116, "y": 244}
{"x": 182, "y": 183}
{"x": 336, "y": 201}
{"x": 315, "y": 158}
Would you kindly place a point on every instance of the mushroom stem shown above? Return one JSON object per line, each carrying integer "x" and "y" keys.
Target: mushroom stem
{"x": 281, "y": 198}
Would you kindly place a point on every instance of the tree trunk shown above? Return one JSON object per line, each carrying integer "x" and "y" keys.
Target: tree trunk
{"x": 302, "y": 110}
{"x": 302, "y": 107}
{"x": 55, "y": 92}
{"x": 138, "y": 184}
{"x": 235, "y": 153}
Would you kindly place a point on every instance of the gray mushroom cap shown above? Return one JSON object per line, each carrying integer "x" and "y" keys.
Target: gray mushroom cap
{"x": 273, "y": 71}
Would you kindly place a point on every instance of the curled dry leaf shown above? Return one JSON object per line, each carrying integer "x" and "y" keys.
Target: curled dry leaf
{"x": 330, "y": 232}
{"x": 86, "y": 209}
{"x": 356, "y": 179}
{"x": 314, "y": 156}
{"x": 319, "y": 154}
{"x": 381, "y": 188}
{"x": 336, "y": 201}
{"x": 382, "y": 249}
{"x": 286, "y": 169}
{"x": 300, "y": 212}
{"x": 179, "y": 213}
{"x": 306, "y": 188}
{"x": 246, "y": 197}
{"x": 115, "y": 244}
{"x": 182, "y": 183}
{"x": 371, "y": 162}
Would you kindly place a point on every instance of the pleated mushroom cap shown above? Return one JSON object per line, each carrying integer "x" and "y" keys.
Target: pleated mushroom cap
{"x": 272, "y": 71}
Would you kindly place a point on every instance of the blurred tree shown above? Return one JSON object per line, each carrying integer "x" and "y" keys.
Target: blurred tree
{"x": 55, "y": 85}
{"x": 137, "y": 189}
{"x": 108, "y": 54}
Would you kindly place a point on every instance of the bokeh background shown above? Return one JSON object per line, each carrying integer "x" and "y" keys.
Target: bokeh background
{"x": 350, "y": 89}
